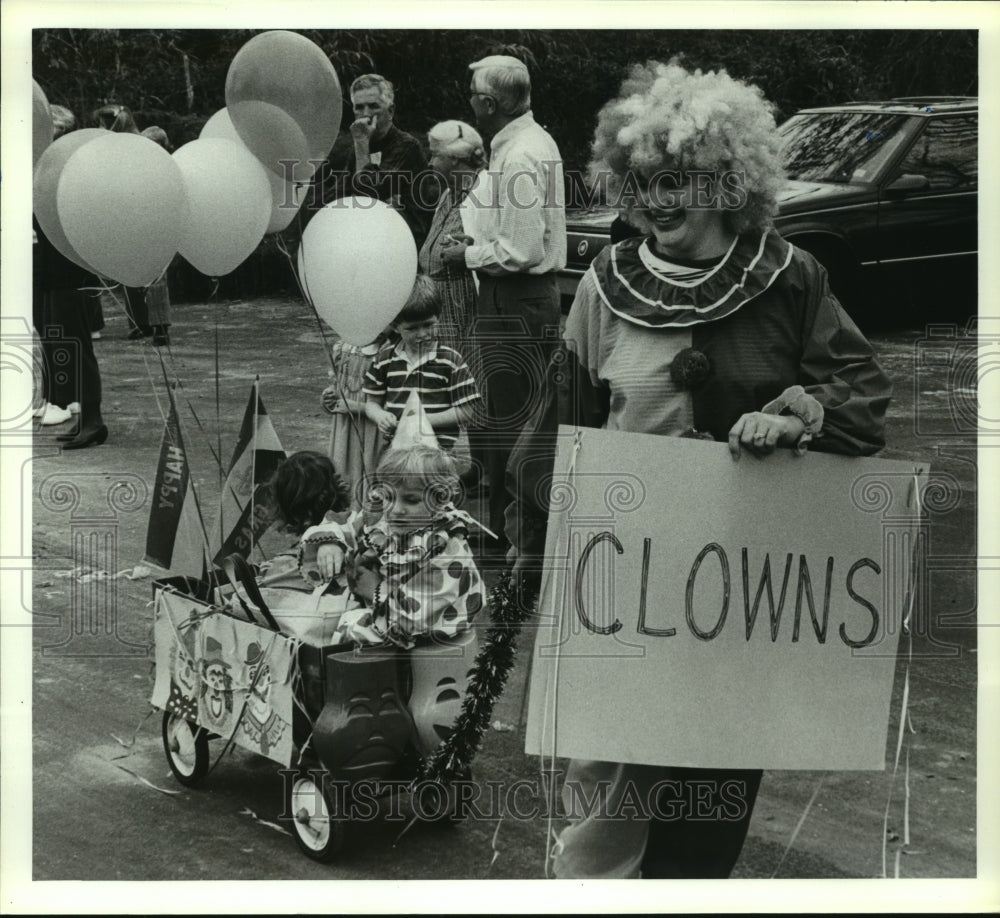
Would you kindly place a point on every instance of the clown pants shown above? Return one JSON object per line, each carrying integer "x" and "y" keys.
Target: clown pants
{"x": 653, "y": 821}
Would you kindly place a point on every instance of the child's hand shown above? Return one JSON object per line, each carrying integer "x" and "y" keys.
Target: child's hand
{"x": 329, "y": 560}
{"x": 363, "y": 579}
{"x": 384, "y": 420}
{"x": 329, "y": 399}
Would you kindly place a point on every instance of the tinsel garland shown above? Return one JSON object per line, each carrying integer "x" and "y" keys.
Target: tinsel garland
{"x": 489, "y": 675}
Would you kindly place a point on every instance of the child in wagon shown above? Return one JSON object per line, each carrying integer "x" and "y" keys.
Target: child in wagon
{"x": 404, "y": 559}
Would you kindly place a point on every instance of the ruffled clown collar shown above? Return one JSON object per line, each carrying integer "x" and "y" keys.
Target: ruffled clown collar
{"x": 416, "y": 544}
{"x": 633, "y": 289}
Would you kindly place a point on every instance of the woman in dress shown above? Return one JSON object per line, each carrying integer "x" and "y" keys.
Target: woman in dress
{"x": 355, "y": 442}
{"x": 709, "y": 324}
{"x": 457, "y": 156}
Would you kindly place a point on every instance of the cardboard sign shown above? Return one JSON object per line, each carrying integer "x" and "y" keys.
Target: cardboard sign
{"x": 697, "y": 611}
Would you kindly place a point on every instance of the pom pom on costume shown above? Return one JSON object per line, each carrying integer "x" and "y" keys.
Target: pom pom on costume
{"x": 689, "y": 369}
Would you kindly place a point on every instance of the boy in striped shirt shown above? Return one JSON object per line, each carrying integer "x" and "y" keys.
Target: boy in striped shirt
{"x": 437, "y": 373}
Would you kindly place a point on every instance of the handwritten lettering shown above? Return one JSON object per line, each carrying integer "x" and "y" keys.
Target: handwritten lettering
{"x": 695, "y": 618}
{"x": 581, "y": 570}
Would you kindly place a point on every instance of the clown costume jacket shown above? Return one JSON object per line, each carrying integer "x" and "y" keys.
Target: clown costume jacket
{"x": 416, "y": 583}
{"x": 658, "y": 348}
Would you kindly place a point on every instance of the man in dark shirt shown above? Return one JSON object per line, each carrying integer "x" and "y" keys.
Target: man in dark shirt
{"x": 377, "y": 159}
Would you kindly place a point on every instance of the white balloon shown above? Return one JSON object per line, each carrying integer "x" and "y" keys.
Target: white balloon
{"x": 230, "y": 204}
{"x": 122, "y": 206}
{"x": 286, "y": 196}
{"x": 357, "y": 264}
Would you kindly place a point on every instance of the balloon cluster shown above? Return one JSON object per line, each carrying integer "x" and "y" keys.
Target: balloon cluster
{"x": 122, "y": 206}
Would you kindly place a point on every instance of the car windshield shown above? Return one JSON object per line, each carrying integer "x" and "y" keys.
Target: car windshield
{"x": 839, "y": 146}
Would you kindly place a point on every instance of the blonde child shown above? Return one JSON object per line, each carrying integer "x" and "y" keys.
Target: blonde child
{"x": 406, "y": 556}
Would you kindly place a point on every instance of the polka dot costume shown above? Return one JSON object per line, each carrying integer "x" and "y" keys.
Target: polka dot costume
{"x": 428, "y": 580}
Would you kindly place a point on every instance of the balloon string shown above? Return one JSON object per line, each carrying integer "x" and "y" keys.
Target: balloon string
{"x": 178, "y": 385}
{"x": 206, "y": 552}
{"x": 121, "y": 304}
{"x": 218, "y": 396}
{"x": 904, "y": 711}
{"x": 336, "y": 372}
{"x": 253, "y": 469}
{"x": 304, "y": 293}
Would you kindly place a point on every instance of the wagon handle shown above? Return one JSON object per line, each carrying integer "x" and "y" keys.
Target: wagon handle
{"x": 237, "y": 569}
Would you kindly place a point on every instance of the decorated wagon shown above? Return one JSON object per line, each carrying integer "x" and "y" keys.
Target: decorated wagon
{"x": 334, "y": 715}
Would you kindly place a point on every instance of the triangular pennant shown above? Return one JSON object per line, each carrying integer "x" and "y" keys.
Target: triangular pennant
{"x": 243, "y": 514}
{"x": 175, "y": 537}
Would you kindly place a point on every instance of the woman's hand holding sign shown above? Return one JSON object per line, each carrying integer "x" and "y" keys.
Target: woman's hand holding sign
{"x": 763, "y": 433}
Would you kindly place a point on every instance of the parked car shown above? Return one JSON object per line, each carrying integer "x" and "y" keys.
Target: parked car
{"x": 884, "y": 194}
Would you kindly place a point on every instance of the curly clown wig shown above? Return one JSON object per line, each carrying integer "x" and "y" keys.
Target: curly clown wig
{"x": 669, "y": 119}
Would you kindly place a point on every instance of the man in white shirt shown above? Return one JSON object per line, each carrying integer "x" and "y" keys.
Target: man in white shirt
{"x": 517, "y": 216}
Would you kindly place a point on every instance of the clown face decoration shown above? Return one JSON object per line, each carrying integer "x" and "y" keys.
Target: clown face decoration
{"x": 259, "y": 698}
{"x": 183, "y": 698}
{"x": 261, "y": 723}
{"x": 216, "y": 686}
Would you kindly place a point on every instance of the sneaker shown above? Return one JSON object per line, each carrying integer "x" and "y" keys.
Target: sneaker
{"x": 55, "y": 415}
{"x": 95, "y": 336}
{"x": 73, "y": 407}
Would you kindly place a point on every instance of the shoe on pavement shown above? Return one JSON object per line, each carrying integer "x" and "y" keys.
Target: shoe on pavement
{"x": 55, "y": 415}
{"x": 84, "y": 438}
{"x": 73, "y": 407}
{"x": 95, "y": 336}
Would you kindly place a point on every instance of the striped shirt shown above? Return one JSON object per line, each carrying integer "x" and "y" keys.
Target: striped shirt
{"x": 441, "y": 378}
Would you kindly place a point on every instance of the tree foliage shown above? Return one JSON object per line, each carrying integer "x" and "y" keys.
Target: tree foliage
{"x": 176, "y": 77}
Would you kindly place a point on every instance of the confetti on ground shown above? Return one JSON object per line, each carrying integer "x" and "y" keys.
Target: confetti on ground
{"x": 246, "y": 811}
{"x": 73, "y": 572}
{"x": 135, "y": 733}
{"x": 150, "y": 784}
{"x": 501, "y": 727}
{"x": 139, "y": 572}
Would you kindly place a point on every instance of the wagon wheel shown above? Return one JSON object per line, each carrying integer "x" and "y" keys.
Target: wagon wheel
{"x": 186, "y": 746}
{"x": 318, "y": 830}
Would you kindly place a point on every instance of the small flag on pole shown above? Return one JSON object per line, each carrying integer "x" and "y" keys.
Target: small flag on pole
{"x": 175, "y": 538}
{"x": 243, "y": 513}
